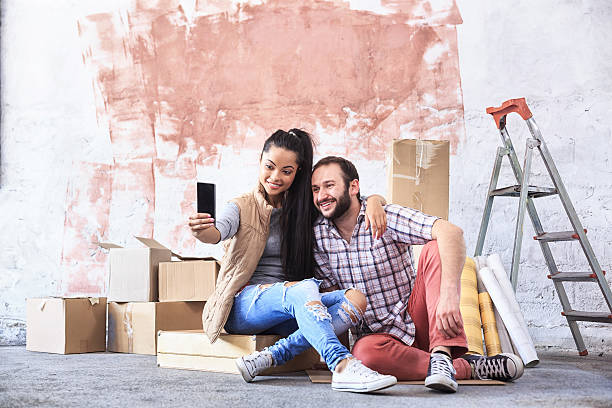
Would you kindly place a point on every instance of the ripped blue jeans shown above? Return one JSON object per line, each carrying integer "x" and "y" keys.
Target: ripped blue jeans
{"x": 293, "y": 311}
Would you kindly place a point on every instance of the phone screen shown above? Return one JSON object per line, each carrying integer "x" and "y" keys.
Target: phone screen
{"x": 206, "y": 198}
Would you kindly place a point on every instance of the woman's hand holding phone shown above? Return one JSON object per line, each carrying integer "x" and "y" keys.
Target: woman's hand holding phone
{"x": 200, "y": 224}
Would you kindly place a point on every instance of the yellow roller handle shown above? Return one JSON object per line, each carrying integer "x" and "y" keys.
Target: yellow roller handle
{"x": 489, "y": 326}
{"x": 469, "y": 307}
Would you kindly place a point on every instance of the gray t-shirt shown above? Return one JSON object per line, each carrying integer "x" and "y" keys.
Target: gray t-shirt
{"x": 270, "y": 266}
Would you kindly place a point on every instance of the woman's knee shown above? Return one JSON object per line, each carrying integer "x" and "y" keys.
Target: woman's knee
{"x": 303, "y": 293}
{"x": 305, "y": 286}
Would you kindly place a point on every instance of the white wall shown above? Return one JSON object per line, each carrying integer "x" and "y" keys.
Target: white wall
{"x": 556, "y": 54}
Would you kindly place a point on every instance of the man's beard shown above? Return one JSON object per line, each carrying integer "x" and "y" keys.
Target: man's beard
{"x": 343, "y": 203}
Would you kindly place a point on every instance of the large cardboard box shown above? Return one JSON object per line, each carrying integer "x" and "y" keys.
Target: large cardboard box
{"x": 191, "y": 350}
{"x": 417, "y": 175}
{"x": 133, "y": 326}
{"x": 187, "y": 280}
{"x": 66, "y": 325}
{"x": 134, "y": 272}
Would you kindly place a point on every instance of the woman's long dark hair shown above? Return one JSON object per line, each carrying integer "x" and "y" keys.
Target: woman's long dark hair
{"x": 298, "y": 209}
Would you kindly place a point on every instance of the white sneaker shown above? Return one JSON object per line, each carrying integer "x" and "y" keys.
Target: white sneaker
{"x": 358, "y": 378}
{"x": 252, "y": 365}
{"x": 441, "y": 373}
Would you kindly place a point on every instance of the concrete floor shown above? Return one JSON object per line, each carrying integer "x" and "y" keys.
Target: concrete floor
{"x": 29, "y": 379}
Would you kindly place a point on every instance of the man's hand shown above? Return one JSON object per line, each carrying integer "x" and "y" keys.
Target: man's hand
{"x": 452, "y": 257}
{"x": 448, "y": 315}
{"x": 376, "y": 217}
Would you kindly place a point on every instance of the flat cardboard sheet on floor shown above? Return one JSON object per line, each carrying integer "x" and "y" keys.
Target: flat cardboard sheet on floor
{"x": 133, "y": 327}
{"x": 325, "y": 377}
{"x": 191, "y": 350}
{"x": 66, "y": 325}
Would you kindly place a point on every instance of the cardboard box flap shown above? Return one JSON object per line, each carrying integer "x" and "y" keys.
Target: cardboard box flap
{"x": 151, "y": 243}
{"x": 108, "y": 245}
{"x": 43, "y": 301}
{"x": 191, "y": 258}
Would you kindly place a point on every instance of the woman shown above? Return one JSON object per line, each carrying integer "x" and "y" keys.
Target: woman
{"x": 265, "y": 283}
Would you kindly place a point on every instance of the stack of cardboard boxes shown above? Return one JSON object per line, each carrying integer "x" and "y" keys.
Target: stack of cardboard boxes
{"x": 154, "y": 307}
{"x": 148, "y": 292}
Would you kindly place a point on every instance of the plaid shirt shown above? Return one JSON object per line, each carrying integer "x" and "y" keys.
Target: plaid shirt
{"x": 381, "y": 269}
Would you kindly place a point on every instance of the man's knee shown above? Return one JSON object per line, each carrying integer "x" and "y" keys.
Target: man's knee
{"x": 431, "y": 248}
{"x": 372, "y": 349}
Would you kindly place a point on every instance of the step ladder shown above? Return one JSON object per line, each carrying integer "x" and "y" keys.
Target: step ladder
{"x": 526, "y": 193}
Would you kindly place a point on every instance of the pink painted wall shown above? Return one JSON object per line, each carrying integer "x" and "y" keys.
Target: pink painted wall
{"x": 173, "y": 88}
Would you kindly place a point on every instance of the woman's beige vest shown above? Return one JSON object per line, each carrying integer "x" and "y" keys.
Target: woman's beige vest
{"x": 242, "y": 254}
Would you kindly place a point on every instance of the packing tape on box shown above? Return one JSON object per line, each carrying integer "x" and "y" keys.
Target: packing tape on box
{"x": 425, "y": 154}
{"x": 128, "y": 325}
{"x": 94, "y": 300}
{"x": 469, "y": 307}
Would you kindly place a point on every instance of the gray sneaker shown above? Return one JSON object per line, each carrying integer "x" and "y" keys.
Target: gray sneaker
{"x": 252, "y": 365}
{"x": 441, "y": 373}
{"x": 502, "y": 367}
{"x": 358, "y": 378}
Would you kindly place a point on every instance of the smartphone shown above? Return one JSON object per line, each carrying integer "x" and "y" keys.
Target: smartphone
{"x": 206, "y": 198}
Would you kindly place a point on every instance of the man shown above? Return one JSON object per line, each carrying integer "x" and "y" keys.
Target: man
{"x": 413, "y": 321}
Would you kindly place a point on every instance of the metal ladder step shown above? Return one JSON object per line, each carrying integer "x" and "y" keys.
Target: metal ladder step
{"x": 515, "y": 191}
{"x": 557, "y": 236}
{"x": 575, "y": 276}
{"x": 577, "y": 315}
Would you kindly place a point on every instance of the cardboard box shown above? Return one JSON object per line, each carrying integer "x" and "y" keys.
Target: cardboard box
{"x": 134, "y": 272}
{"x": 132, "y": 327}
{"x": 191, "y": 350}
{"x": 417, "y": 175}
{"x": 66, "y": 325}
{"x": 187, "y": 280}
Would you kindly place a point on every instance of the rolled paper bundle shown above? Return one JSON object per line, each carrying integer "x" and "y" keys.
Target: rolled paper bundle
{"x": 489, "y": 327}
{"x": 487, "y": 315}
{"x": 520, "y": 339}
{"x": 504, "y": 338}
{"x": 481, "y": 262}
{"x": 495, "y": 265}
{"x": 469, "y": 308}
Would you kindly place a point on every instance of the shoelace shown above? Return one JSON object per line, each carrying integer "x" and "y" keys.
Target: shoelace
{"x": 491, "y": 367}
{"x": 260, "y": 362}
{"x": 440, "y": 365}
{"x": 356, "y": 367}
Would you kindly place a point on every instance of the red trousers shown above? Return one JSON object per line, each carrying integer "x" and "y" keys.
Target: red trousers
{"x": 386, "y": 354}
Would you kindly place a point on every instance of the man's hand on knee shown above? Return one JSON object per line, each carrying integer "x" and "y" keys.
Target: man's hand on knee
{"x": 448, "y": 316}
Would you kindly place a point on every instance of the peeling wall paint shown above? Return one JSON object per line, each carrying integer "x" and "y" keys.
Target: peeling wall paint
{"x": 112, "y": 110}
{"x": 174, "y": 88}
